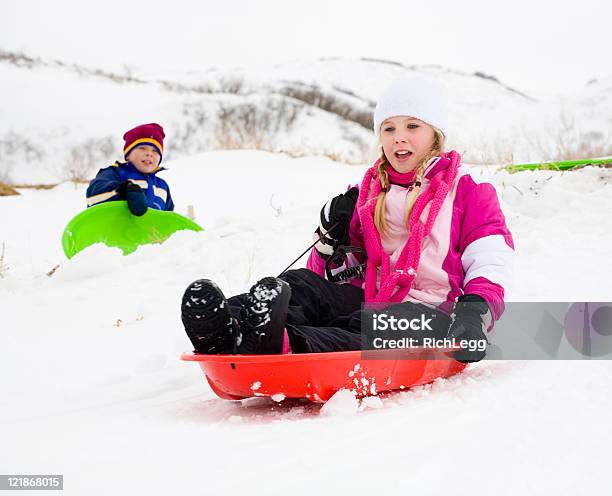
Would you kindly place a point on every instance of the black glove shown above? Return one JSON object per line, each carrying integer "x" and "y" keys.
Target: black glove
{"x": 468, "y": 326}
{"x": 337, "y": 210}
{"x": 135, "y": 196}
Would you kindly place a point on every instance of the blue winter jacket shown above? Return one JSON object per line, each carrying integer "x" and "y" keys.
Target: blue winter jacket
{"x": 104, "y": 186}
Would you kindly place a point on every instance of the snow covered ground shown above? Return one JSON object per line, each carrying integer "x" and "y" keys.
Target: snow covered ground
{"x": 92, "y": 386}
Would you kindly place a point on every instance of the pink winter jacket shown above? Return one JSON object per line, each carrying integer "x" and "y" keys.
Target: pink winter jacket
{"x": 469, "y": 250}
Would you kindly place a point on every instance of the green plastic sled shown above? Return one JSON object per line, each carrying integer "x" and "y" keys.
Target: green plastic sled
{"x": 112, "y": 224}
{"x": 560, "y": 166}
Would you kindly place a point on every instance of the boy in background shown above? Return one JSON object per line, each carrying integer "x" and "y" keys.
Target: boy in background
{"x": 135, "y": 180}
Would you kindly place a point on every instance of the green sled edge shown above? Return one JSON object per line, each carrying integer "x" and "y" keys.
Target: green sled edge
{"x": 112, "y": 223}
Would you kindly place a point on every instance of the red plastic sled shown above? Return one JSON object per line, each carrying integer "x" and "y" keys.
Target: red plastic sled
{"x": 317, "y": 376}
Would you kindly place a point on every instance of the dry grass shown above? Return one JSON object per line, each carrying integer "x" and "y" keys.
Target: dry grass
{"x": 6, "y": 190}
{"x": 3, "y": 267}
{"x": 253, "y": 126}
{"x": 561, "y": 143}
{"x": 53, "y": 270}
{"x": 569, "y": 142}
{"x": 83, "y": 159}
{"x": 17, "y": 149}
{"x": 339, "y": 102}
{"x": 190, "y": 213}
{"x": 35, "y": 186}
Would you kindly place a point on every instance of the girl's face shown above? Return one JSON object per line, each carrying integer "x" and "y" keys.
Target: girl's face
{"x": 406, "y": 141}
{"x": 145, "y": 158}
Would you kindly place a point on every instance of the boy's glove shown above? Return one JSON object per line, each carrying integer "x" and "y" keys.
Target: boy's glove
{"x": 468, "y": 326}
{"x": 338, "y": 209}
{"x": 136, "y": 199}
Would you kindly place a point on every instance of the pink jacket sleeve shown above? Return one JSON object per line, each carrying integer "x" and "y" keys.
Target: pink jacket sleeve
{"x": 486, "y": 245}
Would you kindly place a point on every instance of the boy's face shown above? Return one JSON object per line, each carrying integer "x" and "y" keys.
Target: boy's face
{"x": 145, "y": 158}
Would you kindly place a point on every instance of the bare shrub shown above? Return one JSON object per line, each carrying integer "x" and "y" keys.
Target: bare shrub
{"x": 486, "y": 76}
{"x": 83, "y": 158}
{"x": 232, "y": 84}
{"x": 3, "y": 267}
{"x": 227, "y": 84}
{"x": 278, "y": 209}
{"x": 17, "y": 150}
{"x": 363, "y": 146}
{"x": 13, "y": 144}
{"x": 206, "y": 88}
{"x": 78, "y": 166}
{"x": 331, "y": 101}
{"x": 203, "y": 88}
{"x": 191, "y": 127}
{"x": 19, "y": 59}
{"x": 563, "y": 140}
{"x": 490, "y": 150}
{"x": 569, "y": 142}
{"x": 128, "y": 71}
{"x": 253, "y": 125}
{"x": 269, "y": 122}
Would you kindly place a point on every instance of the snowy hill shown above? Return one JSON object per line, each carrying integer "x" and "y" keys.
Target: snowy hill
{"x": 93, "y": 388}
{"x": 64, "y": 121}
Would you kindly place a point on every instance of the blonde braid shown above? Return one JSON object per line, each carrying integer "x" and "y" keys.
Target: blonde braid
{"x": 413, "y": 194}
{"x": 380, "y": 219}
{"x": 436, "y": 149}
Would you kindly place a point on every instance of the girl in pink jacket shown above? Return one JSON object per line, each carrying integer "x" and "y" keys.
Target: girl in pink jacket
{"x": 424, "y": 239}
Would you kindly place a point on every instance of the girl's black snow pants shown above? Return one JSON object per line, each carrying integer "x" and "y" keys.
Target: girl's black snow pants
{"x": 325, "y": 316}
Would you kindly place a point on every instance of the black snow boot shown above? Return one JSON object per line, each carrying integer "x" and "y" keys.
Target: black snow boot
{"x": 262, "y": 319}
{"x": 207, "y": 319}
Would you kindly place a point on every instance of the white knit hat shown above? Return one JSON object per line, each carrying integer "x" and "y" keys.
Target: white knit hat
{"x": 414, "y": 96}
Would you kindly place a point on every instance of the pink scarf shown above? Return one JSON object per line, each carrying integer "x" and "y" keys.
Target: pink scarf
{"x": 395, "y": 285}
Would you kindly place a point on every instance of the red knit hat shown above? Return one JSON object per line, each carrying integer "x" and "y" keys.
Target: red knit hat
{"x": 145, "y": 134}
